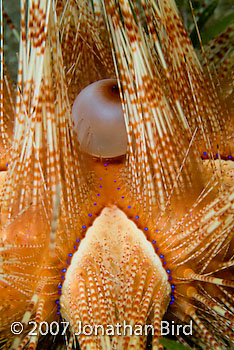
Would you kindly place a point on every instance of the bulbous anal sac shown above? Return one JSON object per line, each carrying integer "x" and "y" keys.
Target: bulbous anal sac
{"x": 99, "y": 121}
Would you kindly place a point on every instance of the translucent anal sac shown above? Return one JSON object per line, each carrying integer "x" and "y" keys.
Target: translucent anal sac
{"x": 99, "y": 120}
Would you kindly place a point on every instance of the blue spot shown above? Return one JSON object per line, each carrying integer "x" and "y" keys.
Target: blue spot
{"x": 205, "y": 153}
{"x": 95, "y": 203}
{"x": 172, "y": 286}
{"x": 62, "y": 277}
{"x": 156, "y": 230}
{"x": 161, "y": 256}
{"x": 217, "y": 154}
{"x": 173, "y": 299}
{"x": 230, "y": 157}
{"x": 137, "y": 217}
{"x": 171, "y": 302}
{"x": 101, "y": 179}
{"x": 6, "y": 164}
{"x": 170, "y": 278}
{"x": 164, "y": 263}
{"x": 105, "y": 164}
{"x": 118, "y": 188}
{"x": 68, "y": 262}
{"x": 60, "y": 292}
{"x": 101, "y": 186}
{"x": 90, "y": 215}
{"x": 60, "y": 286}
{"x": 70, "y": 254}
{"x": 168, "y": 271}
{"x": 157, "y": 248}
{"x": 129, "y": 206}
{"x": 64, "y": 270}
{"x": 83, "y": 226}
{"x": 78, "y": 240}
{"x": 98, "y": 194}
{"x": 58, "y": 313}
{"x": 57, "y": 301}
{"x": 154, "y": 241}
{"x": 114, "y": 180}
{"x": 122, "y": 197}
{"x": 74, "y": 247}
{"x": 146, "y": 228}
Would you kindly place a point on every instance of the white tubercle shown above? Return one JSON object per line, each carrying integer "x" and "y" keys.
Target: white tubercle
{"x": 99, "y": 120}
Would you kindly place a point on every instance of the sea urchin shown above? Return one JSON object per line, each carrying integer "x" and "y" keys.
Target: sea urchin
{"x": 125, "y": 233}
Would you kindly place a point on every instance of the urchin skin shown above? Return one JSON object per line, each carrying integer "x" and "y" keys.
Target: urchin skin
{"x": 53, "y": 191}
{"x": 115, "y": 265}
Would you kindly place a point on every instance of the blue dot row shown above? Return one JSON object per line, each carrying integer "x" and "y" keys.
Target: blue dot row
{"x": 217, "y": 155}
{"x": 146, "y": 229}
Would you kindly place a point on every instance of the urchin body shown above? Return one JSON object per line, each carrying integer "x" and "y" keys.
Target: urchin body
{"x": 65, "y": 208}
